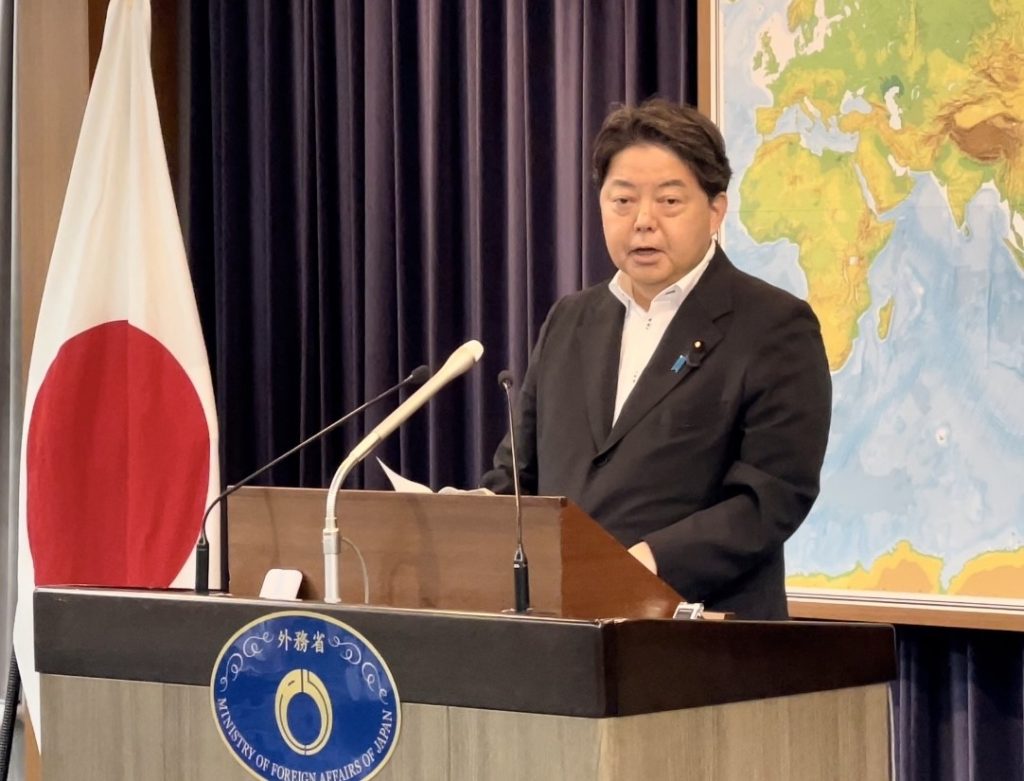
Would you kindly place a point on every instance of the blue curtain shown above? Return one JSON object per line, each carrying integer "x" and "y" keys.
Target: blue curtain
{"x": 959, "y": 703}
{"x": 373, "y": 183}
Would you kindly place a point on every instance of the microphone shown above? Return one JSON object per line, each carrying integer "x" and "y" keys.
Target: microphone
{"x": 416, "y": 377}
{"x": 458, "y": 363}
{"x": 520, "y": 566}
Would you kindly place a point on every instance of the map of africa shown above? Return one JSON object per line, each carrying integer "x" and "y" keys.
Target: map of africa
{"x": 879, "y": 158}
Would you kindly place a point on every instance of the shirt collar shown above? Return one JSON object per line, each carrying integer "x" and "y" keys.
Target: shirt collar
{"x": 683, "y": 286}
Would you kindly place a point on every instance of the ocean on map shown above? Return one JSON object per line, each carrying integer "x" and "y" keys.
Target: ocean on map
{"x": 927, "y": 440}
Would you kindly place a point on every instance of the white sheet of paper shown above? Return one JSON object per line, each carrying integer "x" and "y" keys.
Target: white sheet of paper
{"x": 405, "y": 485}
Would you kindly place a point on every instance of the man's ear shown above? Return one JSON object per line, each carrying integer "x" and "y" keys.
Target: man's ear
{"x": 719, "y": 204}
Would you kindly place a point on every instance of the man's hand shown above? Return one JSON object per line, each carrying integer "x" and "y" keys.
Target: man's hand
{"x": 642, "y": 553}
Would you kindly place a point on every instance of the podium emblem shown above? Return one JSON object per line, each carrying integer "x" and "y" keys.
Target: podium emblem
{"x": 299, "y": 695}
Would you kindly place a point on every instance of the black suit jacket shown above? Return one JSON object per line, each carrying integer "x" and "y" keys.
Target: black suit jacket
{"x": 714, "y": 463}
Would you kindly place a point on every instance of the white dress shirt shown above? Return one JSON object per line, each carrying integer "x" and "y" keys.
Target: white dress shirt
{"x": 643, "y": 329}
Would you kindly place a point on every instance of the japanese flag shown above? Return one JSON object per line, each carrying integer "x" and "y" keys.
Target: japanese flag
{"x": 119, "y": 445}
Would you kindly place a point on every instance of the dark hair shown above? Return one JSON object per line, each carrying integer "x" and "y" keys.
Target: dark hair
{"x": 682, "y": 130}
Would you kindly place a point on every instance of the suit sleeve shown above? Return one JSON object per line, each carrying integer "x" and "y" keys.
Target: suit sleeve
{"x": 782, "y": 428}
{"x": 499, "y": 478}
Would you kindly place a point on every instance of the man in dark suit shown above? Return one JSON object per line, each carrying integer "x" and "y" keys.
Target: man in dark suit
{"x": 684, "y": 404}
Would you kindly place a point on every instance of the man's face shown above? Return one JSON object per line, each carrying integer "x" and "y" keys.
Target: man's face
{"x": 658, "y": 222}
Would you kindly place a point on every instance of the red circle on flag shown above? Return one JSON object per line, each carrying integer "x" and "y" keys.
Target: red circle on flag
{"x": 118, "y": 462}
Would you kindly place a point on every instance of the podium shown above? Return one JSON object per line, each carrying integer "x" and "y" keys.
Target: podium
{"x": 596, "y": 684}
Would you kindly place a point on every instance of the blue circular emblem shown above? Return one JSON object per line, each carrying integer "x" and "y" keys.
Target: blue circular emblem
{"x": 301, "y": 696}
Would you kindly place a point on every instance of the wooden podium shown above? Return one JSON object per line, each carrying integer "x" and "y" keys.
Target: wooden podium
{"x": 595, "y": 685}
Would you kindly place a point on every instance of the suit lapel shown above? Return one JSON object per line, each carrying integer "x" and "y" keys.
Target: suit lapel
{"x": 688, "y": 341}
{"x": 598, "y": 338}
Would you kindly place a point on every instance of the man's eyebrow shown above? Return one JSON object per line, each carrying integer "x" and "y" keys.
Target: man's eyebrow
{"x": 661, "y": 185}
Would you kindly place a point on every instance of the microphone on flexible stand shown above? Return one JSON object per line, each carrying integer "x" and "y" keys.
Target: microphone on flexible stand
{"x": 520, "y": 566}
{"x": 458, "y": 363}
{"x": 417, "y": 377}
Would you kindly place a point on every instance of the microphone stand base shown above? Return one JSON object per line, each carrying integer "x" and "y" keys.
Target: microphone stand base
{"x": 511, "y": 611}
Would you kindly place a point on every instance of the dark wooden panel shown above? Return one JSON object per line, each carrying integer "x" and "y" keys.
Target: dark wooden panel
{"x": 500, "y": 662}
{"x": 444, "y": 551}
{"x": 663, "y": 665}
{"x": 600, "y": 579}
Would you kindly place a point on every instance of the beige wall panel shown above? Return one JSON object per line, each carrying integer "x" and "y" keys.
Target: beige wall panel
{"x": 125, "y": 731}
{"x": 52, "y": 47}
{"x": 503, "y": 745}
{"x": 53, "y": 85}
{"x": 707, "y": 29}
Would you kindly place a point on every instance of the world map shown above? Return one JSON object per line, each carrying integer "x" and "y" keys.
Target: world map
{"x": 879, "y": 159}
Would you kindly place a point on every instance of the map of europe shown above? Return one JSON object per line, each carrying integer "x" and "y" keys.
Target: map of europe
{"x": 879, "y": 158}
